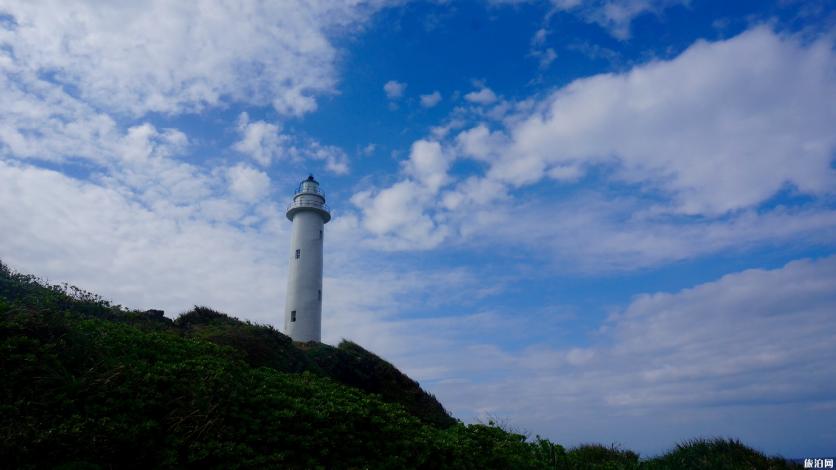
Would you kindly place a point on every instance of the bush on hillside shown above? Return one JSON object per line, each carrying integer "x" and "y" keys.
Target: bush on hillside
{"x": 259, "y": 345}
{"x": 717, "y": 453}
{"x": 597, "y": 456}
{"x": 353, "y": 365}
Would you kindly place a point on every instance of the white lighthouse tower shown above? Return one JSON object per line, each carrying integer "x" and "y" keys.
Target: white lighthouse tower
{"x": 303, "y": 308}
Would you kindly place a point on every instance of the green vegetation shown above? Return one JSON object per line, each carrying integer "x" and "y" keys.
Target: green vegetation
{"x": 598, "y": 456}
{"x": 352, "y": 365}
{"x": 720, "y": 454}
{"x": 349, "y": 364}
{"x": 87, "y": 384}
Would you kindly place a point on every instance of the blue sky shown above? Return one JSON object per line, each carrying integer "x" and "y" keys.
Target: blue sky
{"x": 606, "y": 221}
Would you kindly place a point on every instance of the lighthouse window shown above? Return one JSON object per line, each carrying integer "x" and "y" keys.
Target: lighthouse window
{"x": 320, "y": 234}
{"x": 293, "y": 315}
{"x": 319, "y": 292}
{"x": 298, "y": 253}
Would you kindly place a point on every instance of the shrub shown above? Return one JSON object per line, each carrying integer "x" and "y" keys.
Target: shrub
{"x": 717, "y": 453}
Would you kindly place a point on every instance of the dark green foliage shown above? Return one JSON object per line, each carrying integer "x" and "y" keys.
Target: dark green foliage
{"x": 204, "y": 316}
{"x": 597, "y": 456}
{"x": 549, "y": 454}
{"x": 260, "y": 346}
{"x": 89, "y": 385}
{"x": 720, "y": 454}
{"x": 352, "y": 365}
{"x": 348, "y": 364}
{"x": 479, "y": 446}
{"x": 31, "y": 291}
{"x": 88, "y": 390}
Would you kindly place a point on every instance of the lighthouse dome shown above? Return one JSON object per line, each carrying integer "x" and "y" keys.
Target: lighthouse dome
{"x": 309, "y": 185}
{"x": 308, "y": 197}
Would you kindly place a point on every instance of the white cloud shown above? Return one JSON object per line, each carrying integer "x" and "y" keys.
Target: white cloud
{"x": 368, "y": 150}
{"x": 260, "y": 140}
{"x": 428, "y": 164}
{"x": 539, "y": 37}
{"x": 739, "y": 351}
{"x": 724, "y": 126}
{"x": 264, "y": 143}
{"x": 108, "y": 240}
{"x": 546, "y": 57}
{"x": 394, "y": 89}
{"x": 565, "y": 173}
{"x": 769, "y": 324}
{"x": 224, "y": 246}
{"x": 712, "y": 133}
{"x": 596, "y": 233}
{"x": 484, "y": 96}
{"x": 335, "y": 158}
{"x": 473, "y": 194}
{"x": 397, "y": 215}
{"x": 48, "y": 116}
{"x": 376, "y": 317}
{"x": 144, "y": 164}
{"x": 481, "y": 143}
{"x": 615, "y": 16}
{"x": 248, "y": 183}
{"x": 172, "y": 58}
{"x": 144, "y": 141}
{"x": 41, "y": 121}
{"x": 430, "y": 100}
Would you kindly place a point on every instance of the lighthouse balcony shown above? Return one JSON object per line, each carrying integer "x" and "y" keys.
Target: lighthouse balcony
{"x": 308, "y": 205}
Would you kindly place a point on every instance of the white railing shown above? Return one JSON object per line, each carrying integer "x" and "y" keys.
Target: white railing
{"x": 313, "y": 204}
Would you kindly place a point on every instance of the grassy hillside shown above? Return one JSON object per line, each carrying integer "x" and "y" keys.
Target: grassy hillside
{"x": 348, "y": 364}
{"x": 87, "y": 384}
{"x": 352, "y": 365}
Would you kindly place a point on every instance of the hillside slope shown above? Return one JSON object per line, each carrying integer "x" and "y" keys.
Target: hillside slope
{"x": 348, "y": 364}
{"x": 90, "y": 385}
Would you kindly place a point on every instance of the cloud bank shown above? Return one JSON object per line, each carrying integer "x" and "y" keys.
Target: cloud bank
{"x": 161, "y": 57}
{"x": 747, "y": 349}
{"x": 707, "y": 138}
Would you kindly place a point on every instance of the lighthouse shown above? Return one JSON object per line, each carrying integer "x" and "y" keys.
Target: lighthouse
{"x": 303, "y": 306}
